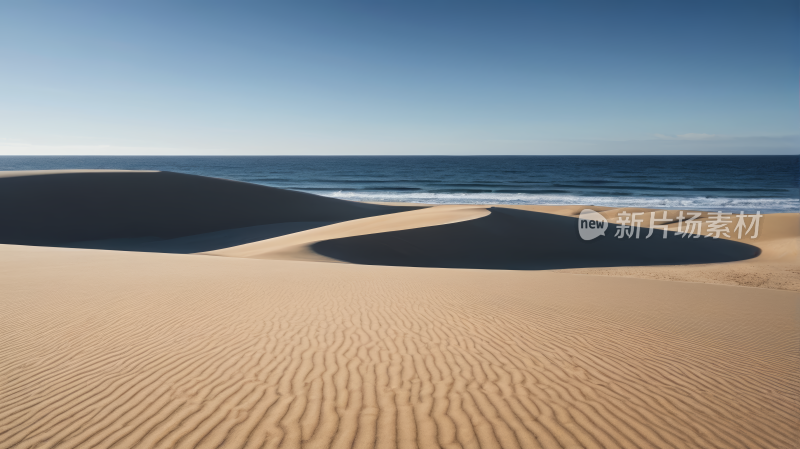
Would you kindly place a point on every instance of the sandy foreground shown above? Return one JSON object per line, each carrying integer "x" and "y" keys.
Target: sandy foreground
{"x": 149, "y": 309}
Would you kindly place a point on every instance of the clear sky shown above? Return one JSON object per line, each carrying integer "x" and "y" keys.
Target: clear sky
{"x": 399, "y": 77}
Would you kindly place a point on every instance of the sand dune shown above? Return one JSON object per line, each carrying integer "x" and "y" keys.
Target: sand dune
{"x": 262, "y": 342}
{"x": 299, "y": 246}
{"x": 113, "y": 349}
{"x": 770, "y": 261}
{"x": 198, "y": 243}
{"x": 169, "y": 212}
{"x": 487, "y": 238}
{"x": 61, "y": 208}
{"x": 514, "y": 239}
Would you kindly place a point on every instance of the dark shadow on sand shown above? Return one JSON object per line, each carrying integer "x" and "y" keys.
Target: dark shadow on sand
{"x": 139, "y": 211}
{"x": 210, "y": 241}
{"x": 510, "y": 239}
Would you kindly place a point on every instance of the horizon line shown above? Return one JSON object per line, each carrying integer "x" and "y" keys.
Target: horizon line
{"x": 391, "y": 155}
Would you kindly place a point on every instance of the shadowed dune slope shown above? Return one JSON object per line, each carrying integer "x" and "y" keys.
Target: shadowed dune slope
{"x": 518, "y": 239}
{"x": 198, "y": 243}
{"x": 56, "y": 208}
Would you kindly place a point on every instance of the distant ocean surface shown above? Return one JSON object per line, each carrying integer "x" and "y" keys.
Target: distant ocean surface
{"x": 725, "y": 183}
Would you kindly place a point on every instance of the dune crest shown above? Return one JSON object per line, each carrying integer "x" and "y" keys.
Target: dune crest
{"x": 299, "y": 246}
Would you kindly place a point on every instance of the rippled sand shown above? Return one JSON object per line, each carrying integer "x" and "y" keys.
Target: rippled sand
{"x": 278, "y": 343}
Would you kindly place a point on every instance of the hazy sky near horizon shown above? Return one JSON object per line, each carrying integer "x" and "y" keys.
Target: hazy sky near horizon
{"x": 399, "y": 77}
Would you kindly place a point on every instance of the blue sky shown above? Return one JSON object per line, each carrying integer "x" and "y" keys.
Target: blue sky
{"x": 392, "y": 77}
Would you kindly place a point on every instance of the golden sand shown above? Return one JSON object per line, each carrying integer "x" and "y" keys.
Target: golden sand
{"x": 277, "y": 343}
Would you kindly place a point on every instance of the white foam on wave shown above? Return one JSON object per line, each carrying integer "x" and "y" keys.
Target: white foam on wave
{"x": 724, "y": 204}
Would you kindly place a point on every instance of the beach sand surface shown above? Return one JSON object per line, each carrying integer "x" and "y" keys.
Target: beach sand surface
{"x": 384, "y": 327}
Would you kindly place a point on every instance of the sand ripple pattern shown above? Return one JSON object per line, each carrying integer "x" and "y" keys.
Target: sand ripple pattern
{"x": 163, "y": 351}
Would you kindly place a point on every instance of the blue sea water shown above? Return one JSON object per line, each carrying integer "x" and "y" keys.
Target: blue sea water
{"x": 724, "y": 183}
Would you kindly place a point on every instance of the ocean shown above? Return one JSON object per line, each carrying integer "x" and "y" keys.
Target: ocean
{"x": 714, "y": 183}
